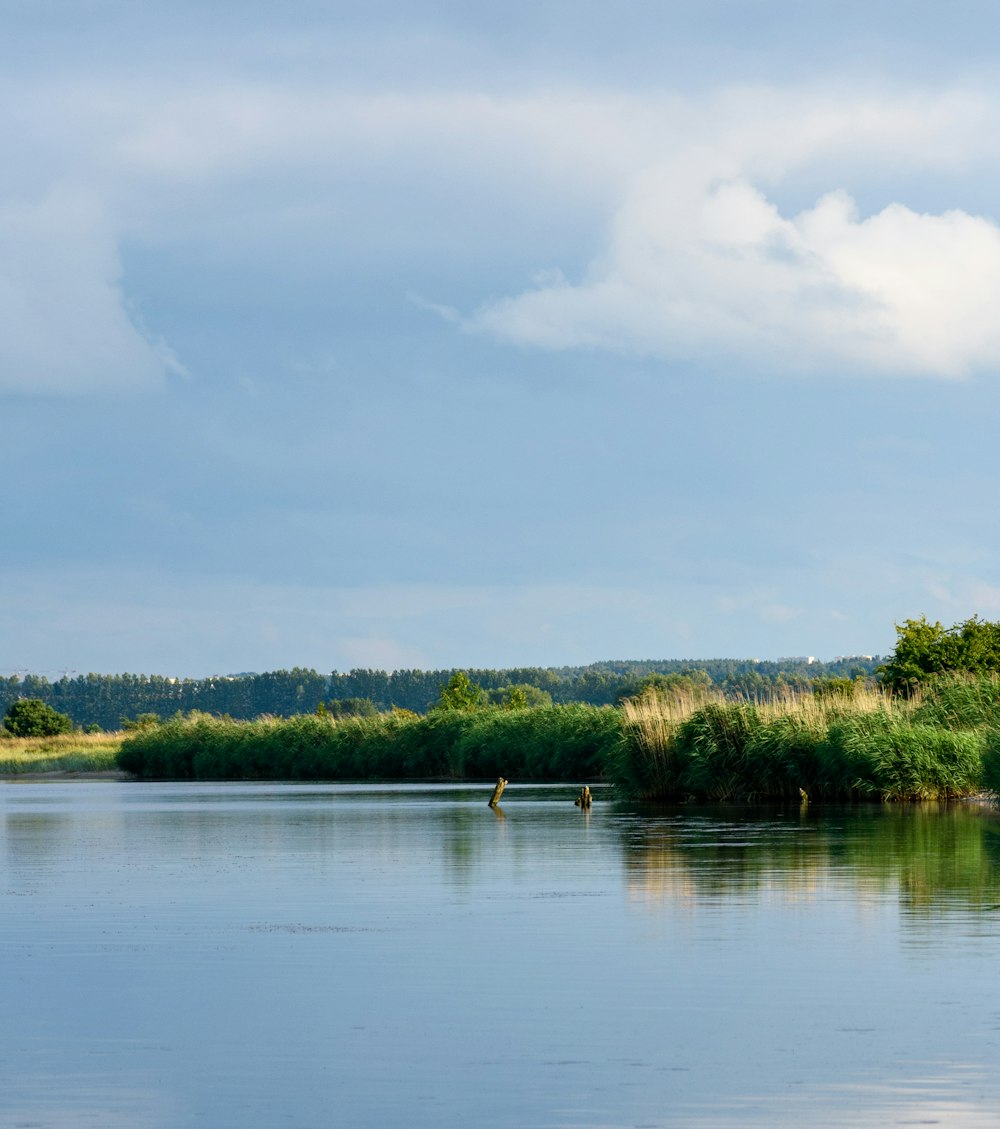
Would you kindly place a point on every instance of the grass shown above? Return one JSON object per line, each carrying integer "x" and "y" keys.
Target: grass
{"x": 69, "y": 752}
{"x": 553, "y": 743}
{"x": 867, "y": 745}
{"x": 691, "y": 744}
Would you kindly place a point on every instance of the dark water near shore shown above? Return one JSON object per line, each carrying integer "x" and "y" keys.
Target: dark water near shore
{"x": 264, "y": 956}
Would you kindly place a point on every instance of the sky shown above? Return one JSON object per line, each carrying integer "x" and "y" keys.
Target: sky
{"x": 441, "y": 334}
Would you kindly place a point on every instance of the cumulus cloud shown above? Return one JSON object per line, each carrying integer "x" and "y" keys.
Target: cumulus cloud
{"x": 701, "y": 264}
{"x": 685, "y": 200}
{"x": 64, "y": 324}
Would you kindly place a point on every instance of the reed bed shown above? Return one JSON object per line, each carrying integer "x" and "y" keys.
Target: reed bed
{"x": 548, "y": 744}
{"x": 68, "y": 752}
{"x": 689, "y": 744}
{"x": 863, "y": 745}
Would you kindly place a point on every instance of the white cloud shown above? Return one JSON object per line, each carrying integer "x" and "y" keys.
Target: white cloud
{"x": 701, "y": 258}
{"x": 64, "y": 325}
{"x": 701, "y": 264}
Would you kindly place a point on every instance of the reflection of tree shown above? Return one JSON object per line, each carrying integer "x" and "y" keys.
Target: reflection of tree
{"x": 936, "y": 856}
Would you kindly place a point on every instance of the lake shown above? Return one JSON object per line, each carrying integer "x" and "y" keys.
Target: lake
{"x": 258, "y": 956}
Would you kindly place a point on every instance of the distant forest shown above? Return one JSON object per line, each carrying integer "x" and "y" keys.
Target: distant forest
{"x": 107, "y": 700}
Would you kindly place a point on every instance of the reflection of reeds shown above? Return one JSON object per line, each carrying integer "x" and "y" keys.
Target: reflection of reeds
{"x": 866, "y": 744}
{"x": 934, "y": 856}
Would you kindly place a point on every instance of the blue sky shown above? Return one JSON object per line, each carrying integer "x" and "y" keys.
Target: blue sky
{"x": 445, "y": 334}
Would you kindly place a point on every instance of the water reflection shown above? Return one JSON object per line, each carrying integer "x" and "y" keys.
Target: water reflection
{"x": 251, "y": 956}
{"x": 933, "y": 857}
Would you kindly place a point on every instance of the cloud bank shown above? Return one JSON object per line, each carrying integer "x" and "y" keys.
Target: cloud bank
{"x": 701, "y": 265}
{"x": 691, "y": 211}
{"x": 728, "y": 277}
{"x": 64, "y": 322}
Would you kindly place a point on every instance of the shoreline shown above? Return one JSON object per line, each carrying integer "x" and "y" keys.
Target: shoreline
{"x": 66, "y": 774}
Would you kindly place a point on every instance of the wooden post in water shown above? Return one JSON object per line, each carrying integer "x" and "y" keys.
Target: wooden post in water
{"x": 497, "y": 792}
{"x": 584, "y": 800}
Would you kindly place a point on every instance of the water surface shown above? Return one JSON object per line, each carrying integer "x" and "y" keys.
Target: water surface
{"x": 259, "y": 956}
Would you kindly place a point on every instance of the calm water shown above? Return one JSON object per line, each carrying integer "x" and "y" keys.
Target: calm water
{"x": 267, "y": 956}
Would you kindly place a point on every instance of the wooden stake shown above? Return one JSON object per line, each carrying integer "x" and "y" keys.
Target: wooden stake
{"x": 497, "y": 792}
{"x": 585, "y": 799}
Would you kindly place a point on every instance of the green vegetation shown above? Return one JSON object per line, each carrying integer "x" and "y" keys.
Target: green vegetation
{"x": 31, "y": 717}
{"x": 558, "y": 743}
{"x": 929, "y": 730}
{"x": 68, "y": 752}
{"x": 691, "y": 744}
{"x": 829, "y": 746}
{"x": 104, "y": 699}
{"x": 925, "y": 651}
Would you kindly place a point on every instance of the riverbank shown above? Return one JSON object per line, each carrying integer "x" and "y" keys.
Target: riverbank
{"x": 69, "y": 755}
{"x": 859, "y": 745}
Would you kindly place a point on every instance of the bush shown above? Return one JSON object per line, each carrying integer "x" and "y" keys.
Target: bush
{"x": 925, "y": 650}
{"x": 31, "y": 717}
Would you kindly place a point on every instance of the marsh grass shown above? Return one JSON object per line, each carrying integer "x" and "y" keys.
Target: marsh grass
{"x": 863, "y": 745}
{"x": 960, "y": 701}
{"x": 546, "y": 744}
{"x": 691, "y": 744}
{"x": 68, "y": 752}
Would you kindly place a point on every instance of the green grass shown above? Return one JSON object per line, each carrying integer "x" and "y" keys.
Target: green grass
{"x": 69, "y": 752}
{"x": 690, "y": 745}
{"x": 863, "y": 746}
{"x": 547, "y": 744}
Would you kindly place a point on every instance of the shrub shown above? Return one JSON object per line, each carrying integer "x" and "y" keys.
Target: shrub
{"x": 31, "y": 717}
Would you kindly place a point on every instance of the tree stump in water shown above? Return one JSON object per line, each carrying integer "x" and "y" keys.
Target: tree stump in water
{"x": 585, "y": 799}
{"x": 497, "y": 792}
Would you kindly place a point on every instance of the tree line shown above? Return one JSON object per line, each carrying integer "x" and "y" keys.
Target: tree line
{"x": 106, "y": 701}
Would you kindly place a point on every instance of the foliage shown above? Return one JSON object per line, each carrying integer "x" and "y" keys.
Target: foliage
{"x": 460, "y": 693}
{"x": 31, "y": 717}
{"x": 520, "y": 696}
{"x": 836, "y": 687}
{"x": 103, "y": 699}
{"x": 349, "y": 707}
{"x": 557, "y": 743}
{"x": 666, "y": 685}
{"x": 959, "y": 701}
{"x": 991, "y": 762}
{"x": 825, "y": 746}
{"x": 927, "y": 650}
{"x": 828, "y": 747}
{"x": 143, "y": 721}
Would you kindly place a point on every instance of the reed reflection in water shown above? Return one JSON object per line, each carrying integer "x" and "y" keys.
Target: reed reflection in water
{"x": 262, "y": 955}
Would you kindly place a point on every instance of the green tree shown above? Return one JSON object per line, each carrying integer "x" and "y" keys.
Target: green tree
{"x": 518, "y": 696}
{"x": 460, "y": 693}
{"x": 31, "y": 717}
{"x": 143, "y": 721}
{"x": 351, "y": 707}
{"x": 666, "y": 685}
{"x": 925, "y": 650}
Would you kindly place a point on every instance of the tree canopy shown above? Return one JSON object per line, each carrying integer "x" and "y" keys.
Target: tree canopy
{"x": 925, "y": 650}
{"x": 460, "y": 693}
{"x": 31, "y": 717}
